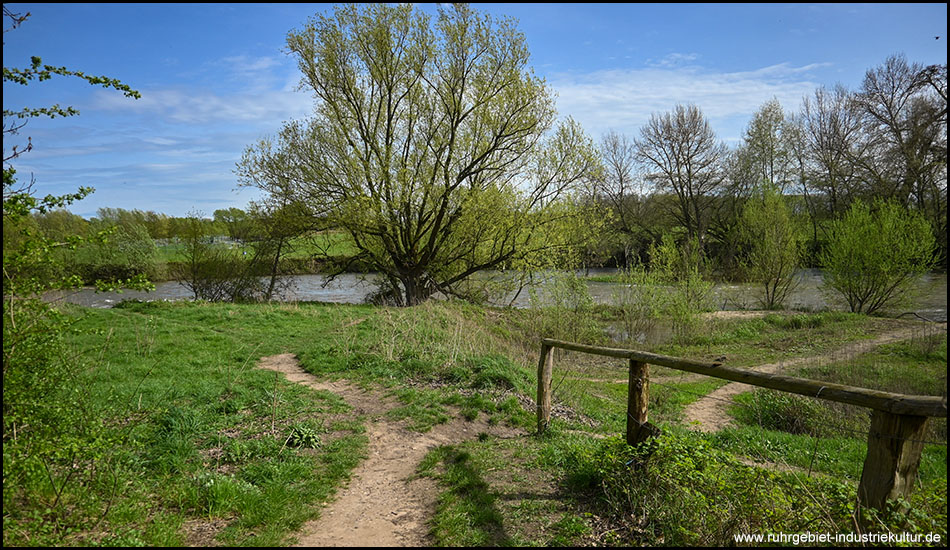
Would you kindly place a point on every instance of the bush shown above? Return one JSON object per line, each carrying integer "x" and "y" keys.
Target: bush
{"x": 875, "y": 253}
{"x": 642, "y": 301}
{"x": 679, "y": 490}
{"x": 681, "y": 266}
{"x": 214, "y": 273}
{"x": 564, "y": 309}
{"x": 773, "y": 245}
{"x": 122, "y": 253}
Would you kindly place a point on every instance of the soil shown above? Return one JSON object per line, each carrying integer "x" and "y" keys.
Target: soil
{"x": 709, "y": 413}
{"x": 383, "y": 504}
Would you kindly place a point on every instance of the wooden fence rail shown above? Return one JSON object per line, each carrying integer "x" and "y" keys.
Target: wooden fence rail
{"x": 895, "y": 439}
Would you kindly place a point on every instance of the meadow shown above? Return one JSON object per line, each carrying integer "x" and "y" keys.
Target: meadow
{"x": 186, "y": 442}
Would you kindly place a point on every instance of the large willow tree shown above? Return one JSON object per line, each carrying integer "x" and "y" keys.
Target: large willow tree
{"x": 432, "y": 144}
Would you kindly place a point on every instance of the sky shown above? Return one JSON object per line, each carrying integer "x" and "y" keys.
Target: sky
{"x": 216, "y": 78}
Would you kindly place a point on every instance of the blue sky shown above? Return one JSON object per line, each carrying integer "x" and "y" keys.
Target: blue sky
{"x": 214, "y": 79}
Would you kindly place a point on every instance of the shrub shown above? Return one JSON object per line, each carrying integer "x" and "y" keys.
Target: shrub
{"x": 773, "y": 246}
{"x": 564, "y": 309}
{"x": 642, "y": 301}
{"x": 214, "y": 273}
{"x": 875, "y": 253}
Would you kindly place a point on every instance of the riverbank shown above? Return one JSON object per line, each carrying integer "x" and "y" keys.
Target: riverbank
{"x": 930, "y": 300}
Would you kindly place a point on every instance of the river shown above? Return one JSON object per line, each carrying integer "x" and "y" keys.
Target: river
{"x": 350, "y": 288}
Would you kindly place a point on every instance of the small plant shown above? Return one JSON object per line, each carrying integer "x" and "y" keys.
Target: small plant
{"x": 303, "y": 437}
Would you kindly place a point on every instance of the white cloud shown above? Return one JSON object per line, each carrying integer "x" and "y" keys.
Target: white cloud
{"x": 265, "y": 108}
{"x": 623, "y": 100}
{"x": 674, "y": 60}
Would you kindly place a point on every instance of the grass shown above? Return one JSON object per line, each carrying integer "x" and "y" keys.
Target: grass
{"x": 207, "y": 449}
{"x": 202, "y": 448}
{"x": 203, "y": 438}
{"x": 698, "y": 493}
{"x": 773, "y": 337}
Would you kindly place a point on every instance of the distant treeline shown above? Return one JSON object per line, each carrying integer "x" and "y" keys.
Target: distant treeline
{"x": 883, "y": 143}
{"x": 675, "y": 182}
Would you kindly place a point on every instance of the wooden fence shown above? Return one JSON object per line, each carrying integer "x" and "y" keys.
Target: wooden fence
{"x": 895, "y": 439}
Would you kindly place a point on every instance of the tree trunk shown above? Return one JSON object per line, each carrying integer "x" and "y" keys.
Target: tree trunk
{"x": 415, "y": 289}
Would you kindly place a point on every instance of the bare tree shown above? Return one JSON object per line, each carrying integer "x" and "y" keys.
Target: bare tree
{"x": 682, "y": 155}
{"x": 628, "y": 195}
{"x": 832, "y": 138}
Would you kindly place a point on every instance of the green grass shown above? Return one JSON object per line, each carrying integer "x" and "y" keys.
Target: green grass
{"x": 197, "y": 446}
{"x": 697, "y": 493}
{"x": 201, "y": 435}
{"x": 504, "y": 492}
{"x": 750, "y": 342}
{"x": 200, "y": 447}
{"x": 917, "y": 366}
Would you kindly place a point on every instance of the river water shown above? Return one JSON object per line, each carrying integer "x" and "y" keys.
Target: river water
{"x": 349, "y": 288}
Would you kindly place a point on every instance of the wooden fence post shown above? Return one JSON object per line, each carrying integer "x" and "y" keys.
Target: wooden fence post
{"x": 638, "y": 395}
{"x": 895, "y": 443}
{"x": 545, "y": 366}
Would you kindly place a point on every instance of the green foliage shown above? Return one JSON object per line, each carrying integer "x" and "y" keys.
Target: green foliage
{"x": 773, "y": 245}
{"x": 122, "y": 253}
{"x": 564, "y": 309}
{"x": 435, "y": 190}
{"x": 681, "y": 267}
{"x": 54, "y": 438}
{"x": 875, "y": 253}
{"x": 303, "y": 436}
{"x": 642, "y": 301}
{"x": 773, "y": 410}
{"x": 680, "y": 490}
{"x": 215, "y": 273}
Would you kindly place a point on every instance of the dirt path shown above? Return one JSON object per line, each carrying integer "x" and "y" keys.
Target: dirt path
{"x": 709, "y": 413}
{"x": 380, "y": 506}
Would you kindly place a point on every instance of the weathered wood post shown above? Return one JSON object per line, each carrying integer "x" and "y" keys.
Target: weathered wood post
{"x": 545, "y": 366}
{"x": 895, "y": 443}
{"x": 638, "y": 395}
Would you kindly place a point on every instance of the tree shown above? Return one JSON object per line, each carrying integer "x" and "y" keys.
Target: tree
{"x": 832, "y": 135}
{"x": 236, "y": 221}
{"x": 682, "y": 155}
{"x": 904, "y": 110}
{"x": 628, "y": 196}
{"x": 773, "y": 245}
{"x": 766, "y": 151}
{"x": 274, "y": 228}
{"x": 875, "y": 253}
{"x": 48, "y": 434}
{"x": 212, "y": 273}
{"x": 766, "y": 157}
{"x": 429, "y": 145}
